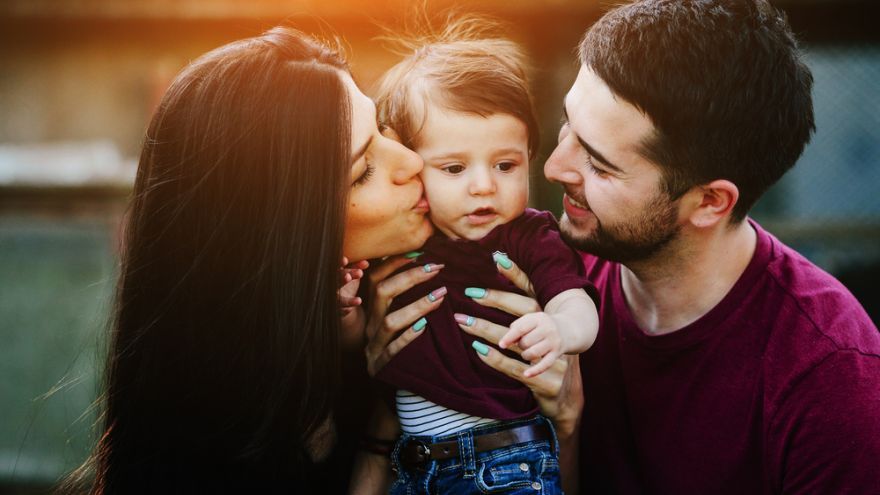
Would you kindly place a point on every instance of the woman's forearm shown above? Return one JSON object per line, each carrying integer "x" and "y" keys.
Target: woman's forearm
{"x": 569, "y": 434}
{"x": 371, "y": 473}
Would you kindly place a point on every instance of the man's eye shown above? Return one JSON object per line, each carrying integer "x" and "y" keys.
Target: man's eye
{"x": 594, "y": 169}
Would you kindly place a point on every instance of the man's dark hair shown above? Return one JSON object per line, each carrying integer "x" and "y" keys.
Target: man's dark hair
{"x": 721, "y": 80}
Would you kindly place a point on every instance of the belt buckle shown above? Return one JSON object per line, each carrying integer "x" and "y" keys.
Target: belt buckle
{"x": 423, "y": 451}
{"x": 420, "y": 450}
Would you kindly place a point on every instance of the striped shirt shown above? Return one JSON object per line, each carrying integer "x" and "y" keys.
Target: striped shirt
{"x": 419, "y": 416}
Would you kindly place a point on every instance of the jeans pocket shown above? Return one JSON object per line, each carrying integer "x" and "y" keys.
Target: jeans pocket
{"x": 535, "y": 470}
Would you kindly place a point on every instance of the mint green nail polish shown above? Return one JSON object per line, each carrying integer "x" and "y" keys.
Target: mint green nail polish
{"x": 413, "y": 255}
{"x": 419, "y": 325}
{"x": 427, "y": 268}
{"x": 470, "y": 321}
{"x": 502, "y": 260}
{"x": 475, "y": 292}
{"x": 481, "y": 348}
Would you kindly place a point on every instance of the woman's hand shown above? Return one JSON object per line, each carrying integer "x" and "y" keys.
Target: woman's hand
{"x": 558, "y": 391}
{"x": 388, "y": 333}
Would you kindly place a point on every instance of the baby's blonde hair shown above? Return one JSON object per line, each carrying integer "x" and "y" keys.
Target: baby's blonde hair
{"x": 466, "y": 67}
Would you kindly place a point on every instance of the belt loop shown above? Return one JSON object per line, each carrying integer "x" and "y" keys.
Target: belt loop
{"x": 466, "y": 450}
{"x": 554, "y": 440}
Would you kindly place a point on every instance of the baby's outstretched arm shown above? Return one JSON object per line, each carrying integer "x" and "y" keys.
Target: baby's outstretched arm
{"x": 568, "y": 325}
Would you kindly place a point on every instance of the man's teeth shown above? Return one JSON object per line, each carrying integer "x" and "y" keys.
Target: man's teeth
{"x": 577, "y": 203}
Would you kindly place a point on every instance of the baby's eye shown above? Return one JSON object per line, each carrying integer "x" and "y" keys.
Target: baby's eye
{"x": 505, "y": 166}
{"x": 454, "y": 169}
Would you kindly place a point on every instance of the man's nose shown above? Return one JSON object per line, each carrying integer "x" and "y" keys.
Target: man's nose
{"x": 562, "y": 166}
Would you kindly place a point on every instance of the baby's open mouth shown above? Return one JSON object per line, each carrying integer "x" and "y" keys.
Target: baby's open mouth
{"x": 483, "y": 211}
{"x": 481, "y": 216}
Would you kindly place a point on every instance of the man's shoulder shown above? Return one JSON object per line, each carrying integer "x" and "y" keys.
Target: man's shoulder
{"x": 811, "y": 322}
{"x": 811, "y": 299}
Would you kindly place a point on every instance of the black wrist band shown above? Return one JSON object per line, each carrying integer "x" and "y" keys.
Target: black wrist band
{"x": 376, "y": 446}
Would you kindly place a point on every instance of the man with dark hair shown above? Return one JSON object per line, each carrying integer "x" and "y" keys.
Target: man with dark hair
{"x": 725, "y": 362}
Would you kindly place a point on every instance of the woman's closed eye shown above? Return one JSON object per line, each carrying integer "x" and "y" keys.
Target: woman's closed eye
{"x": 365, "y": 176}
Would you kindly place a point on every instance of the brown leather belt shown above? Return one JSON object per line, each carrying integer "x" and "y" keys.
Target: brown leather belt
{"x": 415, "y": 453}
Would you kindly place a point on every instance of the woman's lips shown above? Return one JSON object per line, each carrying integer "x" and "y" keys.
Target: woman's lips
{"x": 422, "y": 205}
{"x": 572, "y": 209}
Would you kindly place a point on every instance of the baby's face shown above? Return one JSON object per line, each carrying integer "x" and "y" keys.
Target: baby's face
{"x": 476, "y": 171}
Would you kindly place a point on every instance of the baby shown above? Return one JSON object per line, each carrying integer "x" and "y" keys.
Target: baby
{"x": 461, "y": 101}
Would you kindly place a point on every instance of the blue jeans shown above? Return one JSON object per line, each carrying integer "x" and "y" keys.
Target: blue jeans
{"x": 527, "y": 468}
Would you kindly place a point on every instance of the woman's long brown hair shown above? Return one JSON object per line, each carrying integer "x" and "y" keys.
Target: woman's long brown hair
{"x": 224, "y": 352}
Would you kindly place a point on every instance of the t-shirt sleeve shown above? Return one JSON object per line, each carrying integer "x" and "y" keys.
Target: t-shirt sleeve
{"x": 553, "y": 267}
{"x": 825, "y": 436}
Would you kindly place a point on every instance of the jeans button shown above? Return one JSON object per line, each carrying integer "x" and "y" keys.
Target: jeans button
{"x": 536, "y": 485}
{"x": 524, "y": 467}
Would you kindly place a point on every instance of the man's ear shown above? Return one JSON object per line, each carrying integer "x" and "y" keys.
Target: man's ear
{"x": 712, "y": 203}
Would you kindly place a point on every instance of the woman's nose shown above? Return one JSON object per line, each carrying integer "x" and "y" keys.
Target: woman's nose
{"x": 407, "y": 163}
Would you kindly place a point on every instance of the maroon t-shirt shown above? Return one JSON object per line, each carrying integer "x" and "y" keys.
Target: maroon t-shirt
{"x": 775, "y": 390}
{"x": 441, "y": 365}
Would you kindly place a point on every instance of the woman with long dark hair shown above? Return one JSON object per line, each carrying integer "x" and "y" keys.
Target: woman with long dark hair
{"x": 262, "y": 167}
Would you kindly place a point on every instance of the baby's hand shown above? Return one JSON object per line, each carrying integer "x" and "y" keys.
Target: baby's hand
{"x": 350, "y": 279}
{"x": 538, "y": 336}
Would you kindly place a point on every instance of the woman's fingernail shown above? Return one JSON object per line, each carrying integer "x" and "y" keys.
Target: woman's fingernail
{"x": 413, "y": 255}
{"x": 475, "y": 292}
{"x": 419, "y": 325}
{"x": 464, "y": 319}
{"x": 429, "y": 267}
{"x": 481, "y": 348}
{"x": 437, "y": 294}
{"x": 502, "y": 260}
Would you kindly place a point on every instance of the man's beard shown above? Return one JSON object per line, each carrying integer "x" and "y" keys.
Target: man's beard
{"x": 636, "y": 240}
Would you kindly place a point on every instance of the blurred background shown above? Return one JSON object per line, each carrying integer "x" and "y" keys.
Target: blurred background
{"x": 79, "y": 80}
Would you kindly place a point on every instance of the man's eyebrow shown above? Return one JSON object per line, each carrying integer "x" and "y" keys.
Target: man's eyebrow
{"x": 360, "y": 151}
{"x": 592, "y": 151}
